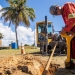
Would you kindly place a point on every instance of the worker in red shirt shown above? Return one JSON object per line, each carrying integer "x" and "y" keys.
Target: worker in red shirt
{"x": 68, "y": 13}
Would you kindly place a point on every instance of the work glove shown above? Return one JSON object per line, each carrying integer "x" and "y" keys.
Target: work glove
{"x": 63, "y": 31}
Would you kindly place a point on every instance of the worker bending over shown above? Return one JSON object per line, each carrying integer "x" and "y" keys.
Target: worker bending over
{"x": 68, "y": 14}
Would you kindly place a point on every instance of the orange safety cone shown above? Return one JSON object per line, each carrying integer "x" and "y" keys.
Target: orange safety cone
{"x": 22, "y": 50}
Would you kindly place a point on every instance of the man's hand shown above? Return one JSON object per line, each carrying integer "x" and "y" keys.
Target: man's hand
{"x": 63, "y": 31}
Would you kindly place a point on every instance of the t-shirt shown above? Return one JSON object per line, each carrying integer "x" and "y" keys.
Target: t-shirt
{"x": 68, "y": 14}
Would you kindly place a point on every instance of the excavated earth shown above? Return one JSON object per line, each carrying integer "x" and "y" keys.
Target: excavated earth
{"x": 32, "y": 64}
{"x": 27, "y": 64}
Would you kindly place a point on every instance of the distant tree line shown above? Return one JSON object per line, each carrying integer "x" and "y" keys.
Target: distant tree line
{"x": 29, "y": 45}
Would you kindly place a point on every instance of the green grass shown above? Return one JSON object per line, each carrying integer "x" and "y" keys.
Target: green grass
{"x": 9, "y": 52}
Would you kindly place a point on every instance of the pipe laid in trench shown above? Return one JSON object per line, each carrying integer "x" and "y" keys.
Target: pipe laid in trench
{"x": 49, "y": 61}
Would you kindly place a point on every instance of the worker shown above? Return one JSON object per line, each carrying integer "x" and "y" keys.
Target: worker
{"x": 67, "y": 11}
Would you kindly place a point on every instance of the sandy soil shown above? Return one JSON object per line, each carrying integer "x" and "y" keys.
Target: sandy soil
{"x": 30, "y": 64}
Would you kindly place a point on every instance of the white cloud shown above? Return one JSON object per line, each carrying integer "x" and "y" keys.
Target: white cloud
{"x": 25, "y": 35}
{"x": 8, "y": 34}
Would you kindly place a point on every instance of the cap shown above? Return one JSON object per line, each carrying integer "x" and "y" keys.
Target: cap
{"x": 52, "y": 9}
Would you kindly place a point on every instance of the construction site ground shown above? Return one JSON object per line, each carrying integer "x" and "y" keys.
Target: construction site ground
{"x": 31, "y": 64}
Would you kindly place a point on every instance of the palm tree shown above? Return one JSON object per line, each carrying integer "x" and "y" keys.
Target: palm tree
{"x": 1, "y": 36}
{"x": 18, "y": 13}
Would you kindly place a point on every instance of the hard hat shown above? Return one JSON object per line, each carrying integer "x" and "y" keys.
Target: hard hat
{"x": 52, "y": 9}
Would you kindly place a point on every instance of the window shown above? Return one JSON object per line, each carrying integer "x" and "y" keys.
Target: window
{"x": 49, "y": 28}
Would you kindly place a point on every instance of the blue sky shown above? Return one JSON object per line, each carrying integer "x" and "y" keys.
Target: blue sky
{"x": 41, "y": 8}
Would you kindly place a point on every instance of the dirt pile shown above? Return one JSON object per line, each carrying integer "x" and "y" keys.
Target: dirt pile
{"x": 24, "y": 65}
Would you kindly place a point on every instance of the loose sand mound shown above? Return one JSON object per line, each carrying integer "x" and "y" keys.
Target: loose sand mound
{"x": 24, "y": 65}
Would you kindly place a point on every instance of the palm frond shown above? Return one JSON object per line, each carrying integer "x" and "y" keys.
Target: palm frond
{"x": 6, "y": 8}
{"x": 31, "y": 13}
{"x": 12, "y": 3}
{"x": 25, "y": 19}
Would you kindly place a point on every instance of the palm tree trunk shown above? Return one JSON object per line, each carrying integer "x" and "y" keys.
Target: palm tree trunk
{"x": 0, "y": 42}
{"x": 16, "y": 36}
